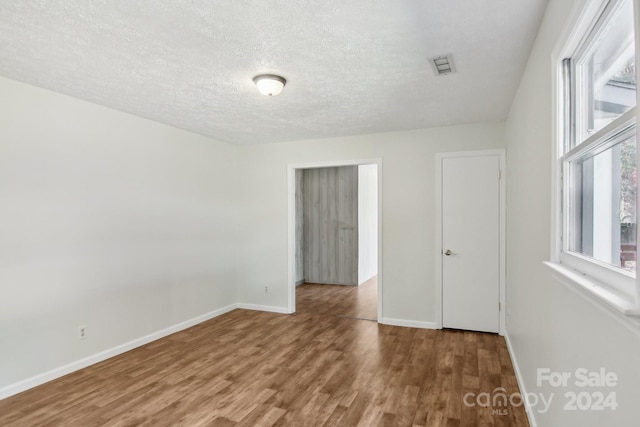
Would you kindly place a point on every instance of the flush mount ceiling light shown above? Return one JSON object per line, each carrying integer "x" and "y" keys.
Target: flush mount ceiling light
{"x": 269, "y": 84}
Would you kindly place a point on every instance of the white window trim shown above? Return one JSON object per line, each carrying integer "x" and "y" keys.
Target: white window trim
{"x": 603, "y": 293}
{"x": 621, "y": 281}
{"x": 574, "y": 270}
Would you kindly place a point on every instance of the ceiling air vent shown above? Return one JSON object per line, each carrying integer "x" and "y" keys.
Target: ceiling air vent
{"x": 443, "y": 65}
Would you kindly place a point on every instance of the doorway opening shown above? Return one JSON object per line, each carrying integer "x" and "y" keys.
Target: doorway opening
{"x": 334, "y": 245}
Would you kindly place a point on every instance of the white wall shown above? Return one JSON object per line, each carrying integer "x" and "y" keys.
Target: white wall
{"x": 549, "y": 325}
{"x": 408, "y": 214}
{"x": 367, "y": 222}
{"x": 107, "y": 220}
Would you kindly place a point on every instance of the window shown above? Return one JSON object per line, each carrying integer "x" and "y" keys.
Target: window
{"x": 598, "y": 152}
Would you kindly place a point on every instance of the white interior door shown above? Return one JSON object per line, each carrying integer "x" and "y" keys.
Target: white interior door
{"x": 471, "y": 242}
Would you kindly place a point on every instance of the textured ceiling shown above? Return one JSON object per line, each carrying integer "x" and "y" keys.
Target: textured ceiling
{"x": 353, "y": 67}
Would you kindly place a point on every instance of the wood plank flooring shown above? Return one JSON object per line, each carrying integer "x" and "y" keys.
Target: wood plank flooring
{"x": 319, "y": 367}
{"x": 358, "y": 302}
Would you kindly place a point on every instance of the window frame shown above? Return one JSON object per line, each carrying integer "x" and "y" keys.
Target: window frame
{"x": 606, "y": 282}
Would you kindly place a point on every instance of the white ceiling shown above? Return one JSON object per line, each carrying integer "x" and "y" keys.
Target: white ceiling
{"x": 353, "y": 67}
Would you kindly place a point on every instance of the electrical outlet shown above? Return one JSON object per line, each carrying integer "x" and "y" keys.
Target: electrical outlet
{"x": 82, "y": 332}
{"x": 266, "y": 289}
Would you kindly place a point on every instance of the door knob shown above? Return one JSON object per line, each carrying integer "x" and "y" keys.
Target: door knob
{"x": 448, "y": 252}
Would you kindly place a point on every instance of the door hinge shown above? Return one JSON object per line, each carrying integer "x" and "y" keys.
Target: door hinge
{"x": 499, "y": 306}
{"x": 499, "y": 173}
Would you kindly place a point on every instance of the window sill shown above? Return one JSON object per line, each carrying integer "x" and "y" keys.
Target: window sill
{"x": 594, "y": 289}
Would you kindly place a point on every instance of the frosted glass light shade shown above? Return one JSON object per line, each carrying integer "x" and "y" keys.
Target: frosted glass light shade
{"x": 269, "y": 85}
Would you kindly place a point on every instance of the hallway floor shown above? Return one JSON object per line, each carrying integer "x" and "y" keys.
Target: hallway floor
{"x": 358, "y": 302}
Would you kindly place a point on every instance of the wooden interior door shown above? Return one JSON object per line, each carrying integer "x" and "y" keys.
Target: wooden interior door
{"x": 330, "y": 225}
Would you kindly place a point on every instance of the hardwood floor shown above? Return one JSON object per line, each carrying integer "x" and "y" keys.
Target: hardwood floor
{"x": 319, "y": 367}
{"x": 358, "y": 302}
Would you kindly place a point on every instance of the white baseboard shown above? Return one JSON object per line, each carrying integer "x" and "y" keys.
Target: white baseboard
{"x": 270, "y": 308}
{"x": 408, "y": 323}
{"x": 37, "y": 380}
{"x": 40, "y": 379}
{"x": 523, "y": 390}
{"x": 332, "y": 284}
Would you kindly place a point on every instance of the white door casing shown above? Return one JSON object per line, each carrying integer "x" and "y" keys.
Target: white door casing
{"x": 291, "y": 264}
